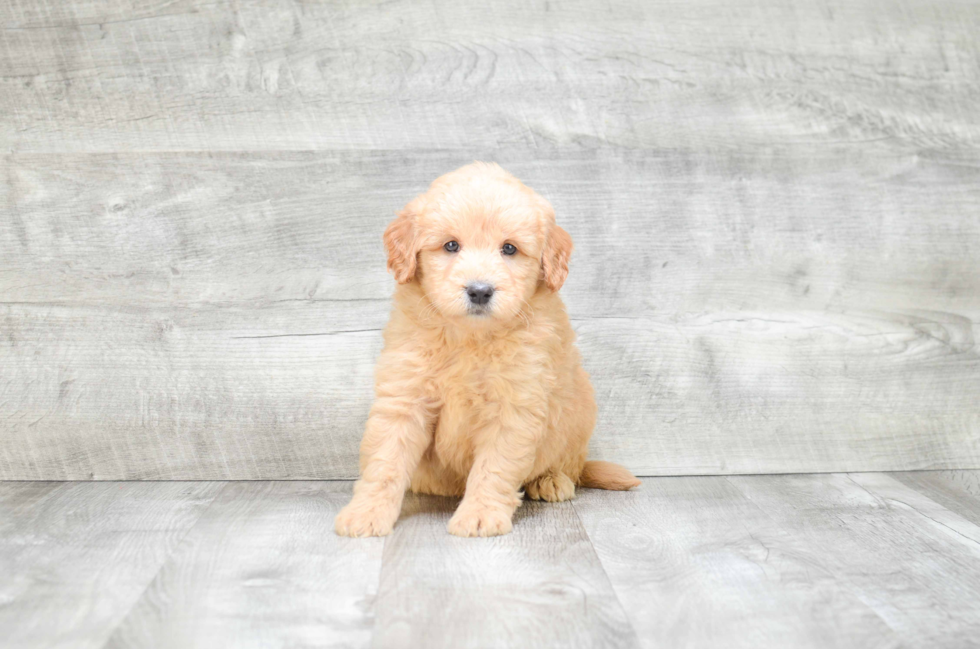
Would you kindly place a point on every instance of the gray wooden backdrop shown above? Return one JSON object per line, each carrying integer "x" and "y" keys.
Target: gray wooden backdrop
{"x": 776, "y": 210}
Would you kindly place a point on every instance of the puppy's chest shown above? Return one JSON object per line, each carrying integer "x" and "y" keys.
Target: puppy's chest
{"x": 473, "y": 388}
{"x": 470, "y": 397}
{"x": 469, "y": 380}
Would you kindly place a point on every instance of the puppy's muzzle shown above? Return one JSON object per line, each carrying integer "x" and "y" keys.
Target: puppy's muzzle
{"x": 479, "y": 293}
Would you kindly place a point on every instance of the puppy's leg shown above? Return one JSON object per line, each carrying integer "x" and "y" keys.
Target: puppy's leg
{"x": 397, "y": 433}
{"x": 503, "y": 460}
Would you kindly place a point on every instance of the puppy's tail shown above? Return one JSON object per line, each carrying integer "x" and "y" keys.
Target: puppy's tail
{"x": 606, "y": 475}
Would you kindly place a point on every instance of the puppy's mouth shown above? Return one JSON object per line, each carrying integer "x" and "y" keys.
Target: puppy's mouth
{"x": 479, "y": 310}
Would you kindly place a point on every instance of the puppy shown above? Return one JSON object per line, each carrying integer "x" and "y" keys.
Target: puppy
{"x": 480, "y": 391}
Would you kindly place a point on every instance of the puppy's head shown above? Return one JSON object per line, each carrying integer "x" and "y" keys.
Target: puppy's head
{"x": 479, "y": 243}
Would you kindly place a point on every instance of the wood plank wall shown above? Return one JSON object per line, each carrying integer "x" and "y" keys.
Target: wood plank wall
{"x": 776, "y": 210}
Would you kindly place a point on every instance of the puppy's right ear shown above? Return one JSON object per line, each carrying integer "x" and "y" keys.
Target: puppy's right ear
{"x": 401, "y": 243}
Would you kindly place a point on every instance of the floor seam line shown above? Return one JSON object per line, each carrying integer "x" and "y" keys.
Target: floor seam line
{"x": 918, "y": 511}
{"x": 612, "y": 587}
{"x": 841, "y": 577}
{"x": 163, "y": 564}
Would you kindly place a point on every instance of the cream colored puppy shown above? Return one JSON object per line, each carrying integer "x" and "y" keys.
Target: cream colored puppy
{"x": 479, "y": 389}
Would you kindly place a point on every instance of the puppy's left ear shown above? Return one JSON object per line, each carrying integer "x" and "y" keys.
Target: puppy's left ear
{"x": 402, "y": 245}
{"x": 554, "y": 261}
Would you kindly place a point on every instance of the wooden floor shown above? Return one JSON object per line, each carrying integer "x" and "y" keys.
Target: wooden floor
{"x": 822, "y": 560}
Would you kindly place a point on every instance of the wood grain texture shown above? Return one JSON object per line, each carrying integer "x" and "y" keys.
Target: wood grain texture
{"x": 262, "y": 568}
{"x": 696, "y": 564}
{"x": 76, "y": 557}
{"x": 899, "y": 495}
{"x": 181, "y": 393}
{"x": 774, "y": 210}
{"x": 540, "y": 586}
{"x": 919, "y": 571}
{"x": 192, "y": 75}
{"x": 958, "y": 491}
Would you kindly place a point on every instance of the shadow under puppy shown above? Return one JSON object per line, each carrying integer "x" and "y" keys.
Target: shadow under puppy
{"x": 480, "y": 390}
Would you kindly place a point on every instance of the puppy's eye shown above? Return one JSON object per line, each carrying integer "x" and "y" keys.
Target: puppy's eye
{"x": 509, "y": 249}
{"x": 452, "y": 246}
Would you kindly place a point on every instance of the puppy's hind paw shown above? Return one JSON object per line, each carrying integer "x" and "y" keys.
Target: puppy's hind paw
{"x": 551, "y": 487}
{"x": 358, "y": 519}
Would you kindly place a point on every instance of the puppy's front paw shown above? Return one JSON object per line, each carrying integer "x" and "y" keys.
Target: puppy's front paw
{"x": 365, "y": 519}
{"x": 474, "y": 521}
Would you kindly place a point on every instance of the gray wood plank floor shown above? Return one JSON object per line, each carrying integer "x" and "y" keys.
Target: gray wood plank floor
{"x": 76, "y": 557}
{"x": 830, "y": 560}
{"x": 263, "y": 568}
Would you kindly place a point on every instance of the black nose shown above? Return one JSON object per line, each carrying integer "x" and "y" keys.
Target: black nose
{"x": 479, "y": 292}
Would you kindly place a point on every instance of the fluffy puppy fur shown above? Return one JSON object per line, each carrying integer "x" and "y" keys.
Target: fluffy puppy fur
{"x": 478, "y": 400}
